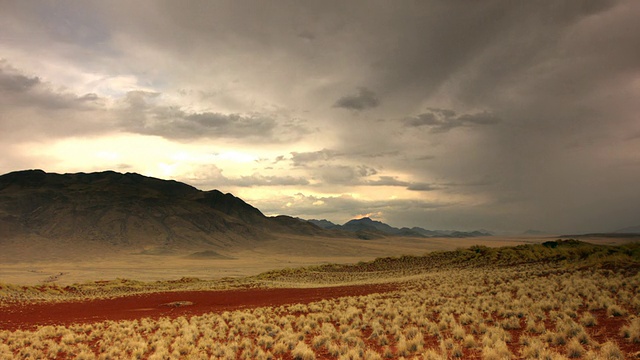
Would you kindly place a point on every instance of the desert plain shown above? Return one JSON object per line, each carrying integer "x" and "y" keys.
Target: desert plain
{"x": 21, "y": 266}
{"x": 332, "y": 298}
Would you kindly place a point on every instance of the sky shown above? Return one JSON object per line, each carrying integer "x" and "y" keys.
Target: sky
{"x": 498, "y": 115}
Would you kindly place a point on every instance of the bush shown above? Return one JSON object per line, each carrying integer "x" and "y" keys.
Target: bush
{"x": 303, "y": 352}
{"x": 615, "y": 310}
{"x": 588, "y": 319}
{"x": 611, "y": 351}
{"x": 575, "y": 349}
{"x": 631, "y": 331}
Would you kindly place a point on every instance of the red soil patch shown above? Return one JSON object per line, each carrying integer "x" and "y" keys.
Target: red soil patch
{"x": 608, "y": 328}
{"x": 30, "y": 316}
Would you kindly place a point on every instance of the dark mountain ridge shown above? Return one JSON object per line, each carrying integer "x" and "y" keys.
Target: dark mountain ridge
{"x": 132, "y": 210}
{"x": 629, "y": 230}
{"x": 372, "y": 227}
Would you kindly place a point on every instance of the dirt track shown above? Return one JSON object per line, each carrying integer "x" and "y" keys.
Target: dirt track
{"x": 29, "y": 316}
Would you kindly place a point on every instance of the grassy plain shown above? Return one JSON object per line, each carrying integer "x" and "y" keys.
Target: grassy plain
{"x": 27, "y": 266}
{"x": 552, "y": 300}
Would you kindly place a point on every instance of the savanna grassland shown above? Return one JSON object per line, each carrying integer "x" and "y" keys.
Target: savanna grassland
{"x": 556, "y": 300}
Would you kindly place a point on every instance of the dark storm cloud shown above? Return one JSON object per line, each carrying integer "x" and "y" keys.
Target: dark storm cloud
{"x": 89, "y": 97}
{"x": 13, "y": 82}
{"x": 394, "y": 181}
{"x": 365, "y": 99}
{"x": 307, "y": 35}
{"x": 268, "y": 180}
{"x": 362, "y": 175}
{"x": 144, "y": 116}
{"x": 311, "y": 158}
{"x": 386, "y": 181}
{"x": 377, "y": 154}
{"x": 305, "y": 158}
{"x": 443, "y": 120}
{"x": 141, "y": 112}
{"x": 342, "y": 174}
{"x": 172, "y": 123}
{"x": 31, "y": 108}
{"x": 211, "y": 176}
{"x": 420, "y": 47}
{"x": 421, "y": 187}
{"x": 20, "y": 90}
{"x": 48, "y": 22}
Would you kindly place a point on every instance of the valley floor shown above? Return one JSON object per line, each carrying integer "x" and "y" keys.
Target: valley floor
{"x": 558, "y": 300}
{"x": 32, "y": 266}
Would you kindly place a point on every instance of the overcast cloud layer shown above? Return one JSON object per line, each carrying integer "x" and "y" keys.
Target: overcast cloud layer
{"x": 500, "y": 115}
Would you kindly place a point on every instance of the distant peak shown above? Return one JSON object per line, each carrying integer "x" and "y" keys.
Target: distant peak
{"x": 363, "y": 219}
{"x": 366, "y": 220}
{"x": 34, "y": 171}
{"x": 34, "y": 176}
{"x": 29, "y": 172}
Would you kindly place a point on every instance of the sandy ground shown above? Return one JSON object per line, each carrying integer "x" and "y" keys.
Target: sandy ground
{"x": 288, "y": 252}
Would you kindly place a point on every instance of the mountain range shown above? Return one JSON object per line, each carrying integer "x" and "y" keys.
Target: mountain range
{"x": 49, "y": 213}
{"x": 131, "y": 210}
{"x": 367, "y": 228}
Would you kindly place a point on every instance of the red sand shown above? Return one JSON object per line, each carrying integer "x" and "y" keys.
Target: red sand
{"x": 29, "y": 316}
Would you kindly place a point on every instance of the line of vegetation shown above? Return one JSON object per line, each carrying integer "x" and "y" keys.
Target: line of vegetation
{"x": 559, "y": 254}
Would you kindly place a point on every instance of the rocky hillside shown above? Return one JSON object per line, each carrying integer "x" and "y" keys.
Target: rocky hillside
{"x": 130, "y": 210}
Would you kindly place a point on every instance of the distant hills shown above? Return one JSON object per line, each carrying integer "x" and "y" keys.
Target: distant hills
{"x": 533, "y": 232}
{"x": 367, "y": 228}
{"x": 632, "y": 232}
{"x": 629, "y": 230}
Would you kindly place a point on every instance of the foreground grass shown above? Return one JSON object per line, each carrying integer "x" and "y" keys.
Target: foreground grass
{"x": 559, "y": 300}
